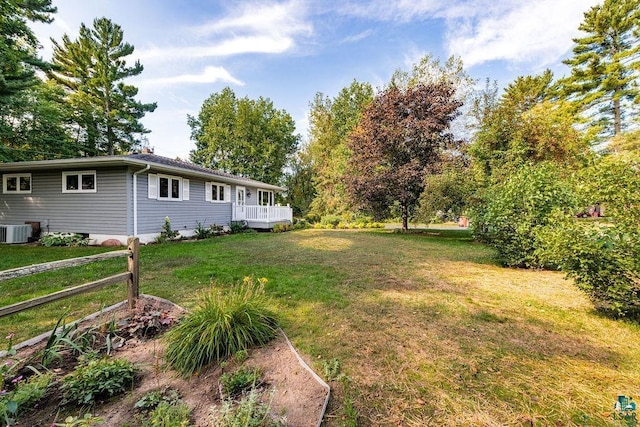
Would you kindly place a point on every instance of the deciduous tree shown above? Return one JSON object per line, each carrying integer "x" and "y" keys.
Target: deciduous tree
{"x": 246, "y": 137}
{"x": 331, "y": 121}
{"x": 527, "y": 124}
{"x": 33, "y": 126}
{"x": 299, "y": 183}
{"x": 400, "y": 137}
{"x": 92, "y": 69}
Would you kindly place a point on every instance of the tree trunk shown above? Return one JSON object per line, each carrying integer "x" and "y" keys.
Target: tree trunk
{"x": 405, "y": 216}
{"x": 617, "y": 119}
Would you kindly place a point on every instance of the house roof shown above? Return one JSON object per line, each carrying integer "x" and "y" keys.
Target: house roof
{"x": 156, "y": 163}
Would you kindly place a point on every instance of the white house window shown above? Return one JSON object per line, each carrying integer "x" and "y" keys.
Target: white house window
{"x": 217, "y": 192}
{"x": 79, "y": 182}
{"x": 265, "y": 198}
{"x": 16, "y": 183}
{"x": 167, "y": 187}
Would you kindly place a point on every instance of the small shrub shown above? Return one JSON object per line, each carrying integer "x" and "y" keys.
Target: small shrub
{"x": 332, "y": 369}
{"x": 241, "y": 356}
{"x": 235, "y": 383}
{"x": 332, "y": 220}
{"x": 154, "y": 398}
{"x": 97, "y": 379}
{"x": 167, "y": 232}
{"x": 25, "y": 394}
{"x": 221, "y": 325}
{"x": 248, "y": 412}
{"x": 237, "y": 227}
{"x": 300, "y": 223}
{"x": 202, "y": 232}
{"x": 62, "y": 338}
{"x": 63, "y": 239}
{"x": 281, "y": 228}
{"x": 312, "y": 218}
{"x": 169, "y": 415}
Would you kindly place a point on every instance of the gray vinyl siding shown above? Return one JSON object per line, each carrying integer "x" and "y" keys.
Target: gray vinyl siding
{"x": 182, "y": 213}
{"x": 102, "y": 212}
{"x": 251, "y": 199}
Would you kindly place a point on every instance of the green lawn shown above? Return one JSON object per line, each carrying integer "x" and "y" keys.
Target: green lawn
{"x": 429, "y": 329}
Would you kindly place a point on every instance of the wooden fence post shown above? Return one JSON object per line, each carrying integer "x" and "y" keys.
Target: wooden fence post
{"x": 133, "y": 266}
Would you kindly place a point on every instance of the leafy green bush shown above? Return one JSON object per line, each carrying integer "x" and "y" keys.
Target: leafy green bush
{"x": 332, "y": 220}
{"x": 281, "y": 228}
{"x": 248, "y": 412}
{"x": 97, "y": 379}
{"x": 300, "y": 224}
{"x": 602, "y": 257}
{"x": 603, "y": 260}
{"x": 201, "y": 232}
{"x": 238, "y": 227}
{"x": 221, "y": 325}
{"x": 513, "y": 212}
{"x": 63, "y": 239}
{"x": 152, "y": 399}
{"x": 234, "y": 383}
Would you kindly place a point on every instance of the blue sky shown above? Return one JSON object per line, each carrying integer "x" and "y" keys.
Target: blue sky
{"x": 290, "y": 50}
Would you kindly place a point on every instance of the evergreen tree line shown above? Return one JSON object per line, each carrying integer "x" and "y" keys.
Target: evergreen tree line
{"x": 76, "y": 105}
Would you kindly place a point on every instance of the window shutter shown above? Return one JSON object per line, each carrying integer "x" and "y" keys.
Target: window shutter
{"x": 227, "y": 193}
{"x": 152, "y": 180}
{"x": 185, "y": 189}
{"x": 207, "y": 191}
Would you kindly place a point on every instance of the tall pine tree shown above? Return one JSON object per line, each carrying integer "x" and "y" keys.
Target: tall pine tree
{"x": 92, "y": 69}
{"x": 606, "y": 64}
{"x": 18, "y": 44}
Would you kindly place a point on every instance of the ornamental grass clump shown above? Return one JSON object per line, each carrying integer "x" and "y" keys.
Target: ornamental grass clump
{"x": 222, "y": 324}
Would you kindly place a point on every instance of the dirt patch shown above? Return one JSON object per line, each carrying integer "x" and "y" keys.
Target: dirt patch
{"x": 292, "y": 390}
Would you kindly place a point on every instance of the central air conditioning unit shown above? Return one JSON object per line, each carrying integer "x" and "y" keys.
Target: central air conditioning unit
{"x": 15, "y": 233}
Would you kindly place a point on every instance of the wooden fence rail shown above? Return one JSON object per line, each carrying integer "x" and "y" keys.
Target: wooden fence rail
{"x": 131, "y": 276}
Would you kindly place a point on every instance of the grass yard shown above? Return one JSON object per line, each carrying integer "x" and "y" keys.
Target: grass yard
{"x": 427, "y": 327}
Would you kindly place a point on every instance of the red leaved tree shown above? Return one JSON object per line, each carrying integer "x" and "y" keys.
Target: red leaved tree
{"x": 400, "y": 138}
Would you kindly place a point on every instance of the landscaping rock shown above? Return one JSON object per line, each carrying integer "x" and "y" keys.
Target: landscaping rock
{"x": 112, "y": 243}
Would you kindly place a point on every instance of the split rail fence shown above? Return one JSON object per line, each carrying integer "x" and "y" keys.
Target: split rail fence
{"x": 131, "y": 276}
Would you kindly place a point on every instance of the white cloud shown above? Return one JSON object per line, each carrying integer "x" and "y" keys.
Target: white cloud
{"x": 256, "y": 28}
{"x": 538, "y": 32}
{"x": 209, "y": 75}
{"x": 385, "y": 10}
{"x": 357, "y": 37}
{"x": 274, "y": 18}
{"x": 234, "y": 46}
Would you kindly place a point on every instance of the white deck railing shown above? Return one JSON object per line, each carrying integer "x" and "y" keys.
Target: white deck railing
{"x": 262, "y": 213}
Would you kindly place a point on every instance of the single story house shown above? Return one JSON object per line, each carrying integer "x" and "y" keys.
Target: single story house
{"x": 114, "y": 197}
